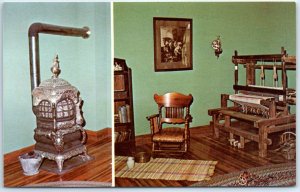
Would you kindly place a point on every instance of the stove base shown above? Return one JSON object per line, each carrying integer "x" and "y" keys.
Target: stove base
{"x": 70, "y": 164}
{"x": 60, "y": 159}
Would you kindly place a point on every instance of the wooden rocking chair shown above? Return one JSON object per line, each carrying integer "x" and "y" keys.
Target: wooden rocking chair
{"x": 174, "y": 108}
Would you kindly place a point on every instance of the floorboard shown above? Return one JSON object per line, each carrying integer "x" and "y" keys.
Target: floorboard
{"x": 97, "y": 170}
{"x": 205, "y": 147}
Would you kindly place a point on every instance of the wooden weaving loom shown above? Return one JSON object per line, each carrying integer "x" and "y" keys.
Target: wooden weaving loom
{"x": 257, "y": 110}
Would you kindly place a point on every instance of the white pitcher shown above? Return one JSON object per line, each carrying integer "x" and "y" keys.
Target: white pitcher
{"x": 130, "y": 162}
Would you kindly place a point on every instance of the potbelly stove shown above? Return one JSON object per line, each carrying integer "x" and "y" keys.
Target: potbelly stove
{"x": 59, "y": 134}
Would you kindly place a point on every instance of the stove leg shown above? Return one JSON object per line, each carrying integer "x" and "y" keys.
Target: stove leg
{"x": 60, "y": 162}
{"x": 85, "y": 156}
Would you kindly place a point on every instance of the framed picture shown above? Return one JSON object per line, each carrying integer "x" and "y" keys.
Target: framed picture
{"x": 172, "y": 44}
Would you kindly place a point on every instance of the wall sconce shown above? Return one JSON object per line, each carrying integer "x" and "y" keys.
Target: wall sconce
{"x": 217, "y": 46}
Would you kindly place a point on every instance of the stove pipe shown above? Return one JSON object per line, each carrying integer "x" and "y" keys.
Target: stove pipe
{"x": 33, "y": 35}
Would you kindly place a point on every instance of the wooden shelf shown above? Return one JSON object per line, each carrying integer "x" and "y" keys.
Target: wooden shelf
{"x": 120, "y": 72}
{"x": 123, "y": 142}
{"x": 123, "y": 97}
{"x": 122, "y": 124}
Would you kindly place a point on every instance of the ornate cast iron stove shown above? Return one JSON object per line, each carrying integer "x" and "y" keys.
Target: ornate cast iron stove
{"x": 59, "y": 134}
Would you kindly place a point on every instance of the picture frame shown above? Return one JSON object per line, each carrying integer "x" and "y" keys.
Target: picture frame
{"x": 172, "y": 44}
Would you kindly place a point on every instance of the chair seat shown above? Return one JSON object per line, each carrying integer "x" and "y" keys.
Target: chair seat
{"x": 171, "y": 134}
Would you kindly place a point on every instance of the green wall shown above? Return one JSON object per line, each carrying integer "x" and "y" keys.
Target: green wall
{"x": 250, "y": 28}
{"x": 85, "y": 63}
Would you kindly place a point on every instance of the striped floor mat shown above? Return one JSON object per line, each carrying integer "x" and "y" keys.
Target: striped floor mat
{"x": 166, "y": 169}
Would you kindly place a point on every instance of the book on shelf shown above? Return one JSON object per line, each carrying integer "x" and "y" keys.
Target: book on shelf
{"x": 128, "y": 113}
{"x": 124, "y": 114}
{"x": 116, "y": 118}
{"x": 122, "y": 136}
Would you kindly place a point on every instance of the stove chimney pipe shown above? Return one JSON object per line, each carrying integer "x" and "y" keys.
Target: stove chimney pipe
{"x": 33, "y": 35}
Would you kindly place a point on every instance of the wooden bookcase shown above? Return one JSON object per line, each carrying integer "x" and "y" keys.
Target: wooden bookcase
{"x": 123, "y": 109}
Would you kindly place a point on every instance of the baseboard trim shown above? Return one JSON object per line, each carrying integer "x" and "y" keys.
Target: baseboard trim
{"x": 93, "y": 136}
{"x": 99, "y": 135}
{"x": 13, "y": 156}
{"x": 143, "y": 139}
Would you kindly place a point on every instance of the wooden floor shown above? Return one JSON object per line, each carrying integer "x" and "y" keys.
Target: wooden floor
{"x": 205, "y": 147}
{"x": 97, "y": 170}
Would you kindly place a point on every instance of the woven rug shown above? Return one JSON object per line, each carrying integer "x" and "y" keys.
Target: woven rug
{"x": 71, "y": 184}
{"x": 166, "y": 169}
{"x": 270, "y": 175}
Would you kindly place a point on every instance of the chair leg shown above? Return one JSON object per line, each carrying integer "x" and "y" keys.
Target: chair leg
{"x": 186, "y": 146}
{"x": 182, "y": 147}
{"x": 183, "y": 155}
{"x": 153, "y": 150}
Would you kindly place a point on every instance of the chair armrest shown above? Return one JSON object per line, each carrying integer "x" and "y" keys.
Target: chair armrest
{"x": 188, "y": 118}
{"x": 154, "y": 123}
{"x": 152, "y": 116}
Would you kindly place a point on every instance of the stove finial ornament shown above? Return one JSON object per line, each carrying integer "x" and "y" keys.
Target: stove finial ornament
{"x": 55, "y": 67}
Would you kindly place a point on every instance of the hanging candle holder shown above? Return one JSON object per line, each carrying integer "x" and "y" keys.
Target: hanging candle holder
{"x": 217, "y": 46}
